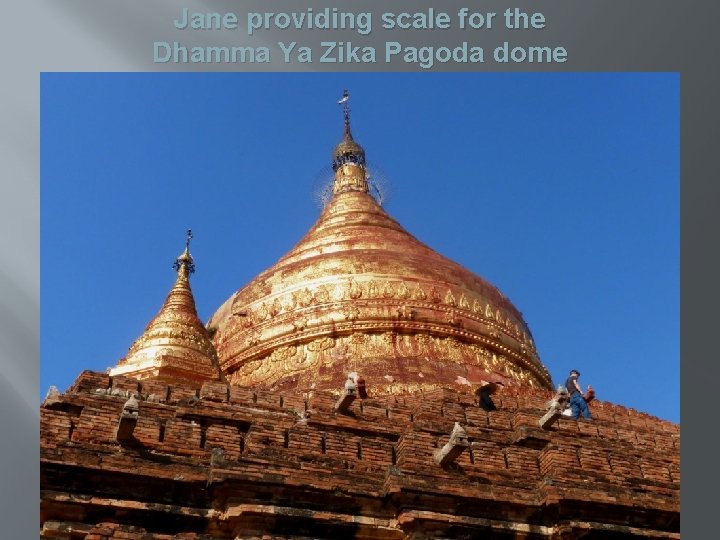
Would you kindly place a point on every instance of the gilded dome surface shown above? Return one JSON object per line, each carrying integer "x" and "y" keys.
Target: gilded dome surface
{"x": 360, "y": 293}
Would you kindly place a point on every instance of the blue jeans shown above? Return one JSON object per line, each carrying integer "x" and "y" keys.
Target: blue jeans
{"x": 579, "y": 405}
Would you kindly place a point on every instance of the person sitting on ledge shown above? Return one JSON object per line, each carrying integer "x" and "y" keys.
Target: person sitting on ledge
{"x": 577, "y": 400}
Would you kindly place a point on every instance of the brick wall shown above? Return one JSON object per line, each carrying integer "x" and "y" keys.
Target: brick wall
{"x": 222, "y": 460}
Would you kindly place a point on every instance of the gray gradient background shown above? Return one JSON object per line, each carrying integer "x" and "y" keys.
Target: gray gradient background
{"x": 96, "y": 35}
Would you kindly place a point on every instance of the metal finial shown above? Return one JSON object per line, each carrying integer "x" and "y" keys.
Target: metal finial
{"x": 348, "y": 151}
{"x": 345, "y": 102}
{"x": 185, "y": 260}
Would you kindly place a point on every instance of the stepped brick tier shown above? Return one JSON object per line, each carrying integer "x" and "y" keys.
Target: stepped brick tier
{"x": 144, "y": 460}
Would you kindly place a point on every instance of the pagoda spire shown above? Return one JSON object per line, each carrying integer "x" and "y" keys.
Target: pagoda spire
{"x": 349, "y": 157}
{"x": 175, "y": 346}
{"x": 345, "y": 102}
{"x": 185, "y": 264}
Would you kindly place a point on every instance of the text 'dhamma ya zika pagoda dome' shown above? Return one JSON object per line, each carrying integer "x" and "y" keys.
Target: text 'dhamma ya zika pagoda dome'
{"x": 360, "y": 293}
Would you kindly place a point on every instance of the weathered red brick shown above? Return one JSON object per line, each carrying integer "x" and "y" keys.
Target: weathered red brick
{"x": 383, "y": 449}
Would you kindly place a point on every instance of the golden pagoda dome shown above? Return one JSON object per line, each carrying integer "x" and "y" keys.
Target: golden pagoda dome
{"x": 360, "y": 294}
{"x": 175, "y": 346}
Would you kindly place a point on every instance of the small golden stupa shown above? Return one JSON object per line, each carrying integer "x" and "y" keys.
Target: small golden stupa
{"x": 175, "y": 346}
{"x": 360, "y": 294}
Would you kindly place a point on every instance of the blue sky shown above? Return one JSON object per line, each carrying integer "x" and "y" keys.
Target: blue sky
{"x": 560, "y": 189}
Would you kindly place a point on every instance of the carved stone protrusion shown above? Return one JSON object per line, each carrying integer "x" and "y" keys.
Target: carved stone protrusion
{"x": 128, "y": 420}
{"x": 131, "y": 407}
{"x": 453, "y": 448}
{"x": 52, "y": 397}
{"x": 554, "y": 408}
{"x": 349, "y": 394}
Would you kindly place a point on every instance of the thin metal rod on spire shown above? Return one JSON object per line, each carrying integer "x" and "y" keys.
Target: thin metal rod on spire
{"x": 185, "y": 260}
{"x": 345, "y": 102}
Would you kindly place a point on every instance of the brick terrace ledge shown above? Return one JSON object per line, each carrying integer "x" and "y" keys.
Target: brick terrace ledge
{"x": 228, "y": 462}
